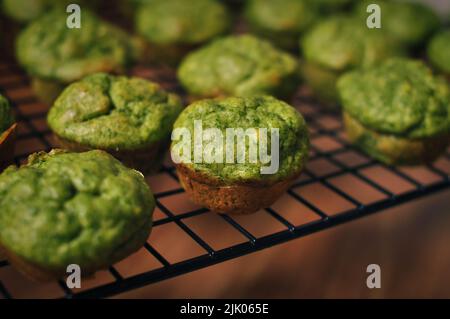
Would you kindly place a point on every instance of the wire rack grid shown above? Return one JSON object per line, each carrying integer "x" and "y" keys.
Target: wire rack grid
{"x": 339, "y": 184}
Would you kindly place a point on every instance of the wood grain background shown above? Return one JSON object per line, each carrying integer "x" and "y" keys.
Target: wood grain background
{"x": 411, "y": 244}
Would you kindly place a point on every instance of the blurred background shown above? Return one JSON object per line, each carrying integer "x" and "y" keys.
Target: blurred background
{"x": 409, "y": 242}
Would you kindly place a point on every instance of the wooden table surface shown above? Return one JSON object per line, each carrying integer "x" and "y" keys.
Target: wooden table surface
{"x": 410, "y": 243}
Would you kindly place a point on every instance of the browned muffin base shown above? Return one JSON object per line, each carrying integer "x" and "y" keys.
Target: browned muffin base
{"x": 31, "y": 271}
{"x": 37, "y": 273}
{"x": 147, "y": 160}
{"x": 287, "y": 92}
{"x": 46, "y": 91}
{"x": 239, "y": 199}
{"x": 170, "y": 55}
{"x": 394, "y": 150}
{"x": 7, "y": 142}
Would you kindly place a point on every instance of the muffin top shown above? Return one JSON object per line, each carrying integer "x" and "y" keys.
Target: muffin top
{"x": 292, "y": 16}
{"x": 6, "y": 117}
{"x": 47, "y": 48}
{"x": 340, "y": 43}
{"x": 181, "y": 21}
{"x": 236, "y": 65}
{"x": 439, "y": 51}
{"x": 400, "y": 96}
{"x": 407, "y": 22}
{"x": 114, "y": 112}
{"x": 252, "y": 112}
{"x": 62, "y": 208}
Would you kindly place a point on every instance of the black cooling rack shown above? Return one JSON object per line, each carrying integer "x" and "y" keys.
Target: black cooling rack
{"x": 339, "y": 185}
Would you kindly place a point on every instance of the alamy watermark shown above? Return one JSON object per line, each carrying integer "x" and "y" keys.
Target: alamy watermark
{"x": 74, "y": 276}
{"x": 73, "y": 20}
{"x": 374, "y": 279}
{"x": 239, "y": 145}
{"x": 374, "y": 19}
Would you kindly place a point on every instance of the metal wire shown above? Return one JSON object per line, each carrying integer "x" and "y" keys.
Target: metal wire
{"x": 12, "y": 80}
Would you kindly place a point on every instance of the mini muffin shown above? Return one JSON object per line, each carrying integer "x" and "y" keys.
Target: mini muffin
{"x": 238, "y": 182}
{"x": 408, "y": 23}
{"x": 17, "y": 13}
{"x": 14, "y": 14}
{"x": 7, "y": 133}
{"x": 439, "y": 52}
{"x": 397, "y": 112}
{"x": 281, "y": 21}
{"x": 337, "y": 45}
{"x": 131, "y": 118}
{"x": 72, "y": 208}
{"x": 239, "y": 65}
{"x": 55, "y": 55}
{"x": 24, "y": 11}
{"x": 173, "y": 27}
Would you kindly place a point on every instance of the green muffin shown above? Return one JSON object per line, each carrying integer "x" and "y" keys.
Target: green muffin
{"x": 397, "y": 112}
{"x": 173, "y": 27}
{"x": 281, "y": 21}
{"x": 7, "y": 132}
{"x": 55, "y": 55}
{"x": 131, "y": 118}
{"x": 15, "y": 14}
{"x": 235, "y": 182}
{"x": 439, "y": 51}
{"x": 337, "y": 45}
{"x": 72, "y": 208}
{"x": 239, "y": 65}
{"x": 18, "y": 13}
{"x": 408, "y": 23}
{"x": 24, "y": 11}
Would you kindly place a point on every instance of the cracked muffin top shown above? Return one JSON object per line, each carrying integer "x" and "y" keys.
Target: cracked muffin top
{"x": 114, "y": 112}
{"x": 263, "y": 112}
{"x": 343, "y": 42}
{"x": 62, "y": 208}
{"x": 6, "y": 117}
{"x": 48, "y": 49}
{"x": 180, "y": 21}
{"x": 238, "y": 65}
{"x": 400, "y": 97}
{"x": 439, "y": 51}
